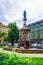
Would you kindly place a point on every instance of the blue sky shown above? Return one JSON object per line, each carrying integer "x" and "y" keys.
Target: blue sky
{"x": 12, "y": 10}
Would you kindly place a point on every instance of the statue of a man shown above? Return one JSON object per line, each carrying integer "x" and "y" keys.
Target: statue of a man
{"x": 24, "y": 14}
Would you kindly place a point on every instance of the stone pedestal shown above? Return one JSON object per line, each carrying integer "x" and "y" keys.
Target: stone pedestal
{"x": 18, "y": 43}
{"x": 25, "y": 45}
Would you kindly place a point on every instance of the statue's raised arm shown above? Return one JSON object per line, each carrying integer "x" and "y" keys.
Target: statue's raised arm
{"x": 24, "y": 14}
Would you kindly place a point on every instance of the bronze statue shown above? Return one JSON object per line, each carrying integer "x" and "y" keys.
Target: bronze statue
{"x": 24, "y": 14}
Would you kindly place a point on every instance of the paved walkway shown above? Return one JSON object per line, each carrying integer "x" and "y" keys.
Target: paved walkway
{"x": 22, "y": 54}
{"x": 30, "y": 55}
{"x": 5, "y": 51}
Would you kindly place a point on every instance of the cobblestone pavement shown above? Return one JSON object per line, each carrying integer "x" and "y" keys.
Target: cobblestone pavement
{"x": 22, "y": 54}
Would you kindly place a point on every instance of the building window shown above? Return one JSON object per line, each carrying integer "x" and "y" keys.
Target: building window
{"x": 41, "y": 34}
{"x": 35, "y": 35}
{"x": 41, "y": 27}
{"x": 32, "y": 35}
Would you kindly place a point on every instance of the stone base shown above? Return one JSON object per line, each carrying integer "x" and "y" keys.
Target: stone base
{"x": 22, "y": 50}
{"x": 9, "y": 48}
{"x": 30, "y": 50}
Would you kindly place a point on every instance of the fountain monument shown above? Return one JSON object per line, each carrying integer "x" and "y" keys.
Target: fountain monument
{"x": 25, "y": 31}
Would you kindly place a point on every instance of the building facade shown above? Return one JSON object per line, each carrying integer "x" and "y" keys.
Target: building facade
{"x": 3, "y": 28}
{"x": 36, "y": 33}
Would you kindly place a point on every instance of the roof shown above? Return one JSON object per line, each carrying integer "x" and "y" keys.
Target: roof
{"x": 1, "y": 24}
{"x": 35, "y": 23}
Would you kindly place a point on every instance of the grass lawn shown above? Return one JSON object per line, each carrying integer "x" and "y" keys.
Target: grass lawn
{"x": 38, "y": 61}
{"x": 15, "y": 60}
{"x": 33, "y": 60}
{"x": 1, "y": 46}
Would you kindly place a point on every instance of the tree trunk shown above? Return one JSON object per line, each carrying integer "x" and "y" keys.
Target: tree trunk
{"x": 12, "y": 43}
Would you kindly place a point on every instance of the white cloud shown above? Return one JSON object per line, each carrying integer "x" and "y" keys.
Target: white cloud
{"x": 13, "y": 10}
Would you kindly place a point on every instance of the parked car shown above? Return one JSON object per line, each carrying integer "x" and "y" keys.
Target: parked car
{"x": 37, "y": 45}
{"x": 40, "y": 45}
{"x": 15, "y": 44}
{"x": 34, "y": 45}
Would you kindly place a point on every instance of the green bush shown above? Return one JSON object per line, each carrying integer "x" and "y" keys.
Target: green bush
{"x": 4, "y": 55}
{"x": 13, "y": 59}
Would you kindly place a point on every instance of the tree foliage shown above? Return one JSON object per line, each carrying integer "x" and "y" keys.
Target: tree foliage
{"x": 13, "y": 33}
{"x": 2, "y": 34}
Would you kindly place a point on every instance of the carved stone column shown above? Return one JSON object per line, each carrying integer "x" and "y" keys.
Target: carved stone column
{"x": 18, "y": 43}
{"x": 25, "y": 45}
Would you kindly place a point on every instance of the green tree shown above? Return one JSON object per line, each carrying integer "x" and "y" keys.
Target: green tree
{"x": 13, "y": 33}
{"x": 2, "y": 34}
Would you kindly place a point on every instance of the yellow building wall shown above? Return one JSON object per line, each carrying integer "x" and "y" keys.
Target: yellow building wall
{"x": 4, "y": 29}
